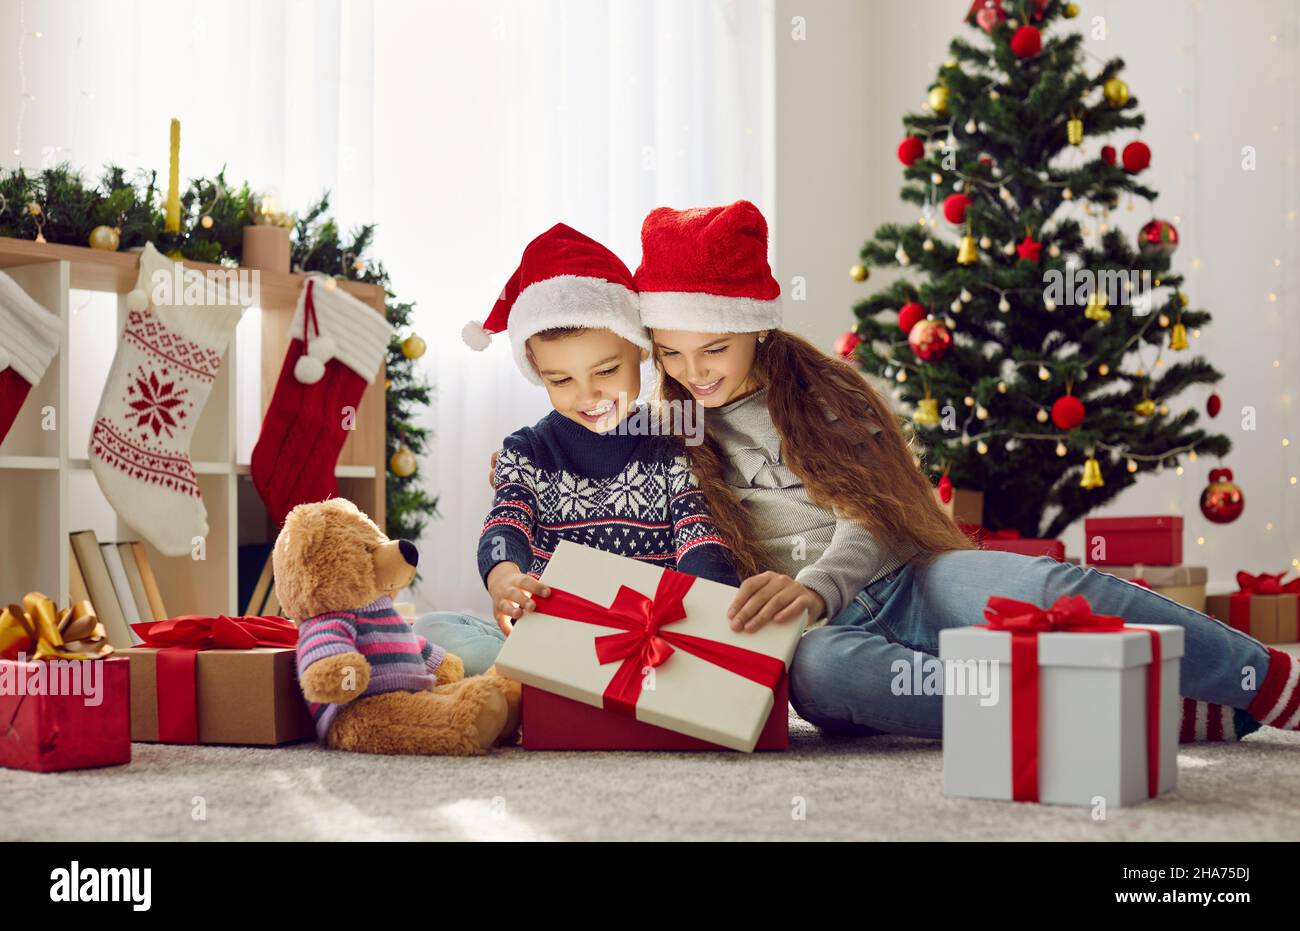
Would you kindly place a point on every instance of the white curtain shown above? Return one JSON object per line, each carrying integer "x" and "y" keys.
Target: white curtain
{"x": 462, "y": 128}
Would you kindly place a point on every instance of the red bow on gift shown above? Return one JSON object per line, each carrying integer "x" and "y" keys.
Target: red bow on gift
{"x": 1073, "y": 614}
{"x": 179, "y": 641}
{"x": 1267, "y": 584}
{"x": 645, "y": 644}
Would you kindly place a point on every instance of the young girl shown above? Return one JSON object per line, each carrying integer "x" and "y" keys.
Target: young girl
{"x": 809, "y": 476}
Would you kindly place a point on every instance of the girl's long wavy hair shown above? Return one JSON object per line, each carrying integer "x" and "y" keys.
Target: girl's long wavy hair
{"x": 883, "y": 489}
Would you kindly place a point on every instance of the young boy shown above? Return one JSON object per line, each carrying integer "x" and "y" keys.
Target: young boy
{"x": 582, "y": 472}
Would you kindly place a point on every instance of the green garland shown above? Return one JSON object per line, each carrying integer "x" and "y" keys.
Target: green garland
{"x": 213, "y": 216}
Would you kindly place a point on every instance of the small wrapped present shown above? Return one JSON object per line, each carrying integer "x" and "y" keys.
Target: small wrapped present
{"x": 1129, "y": 541}
{"x": 966, "y": 506}
{"x": 217, "y": 680}
{"x": 1009, "y": 540}
{"x": 1264, "y": 607}
{"x": 1183, "y": 584}
{"x": 650, "y": 644}
{"x": 1060, "y": 705}
{"x": 64, "y": 700}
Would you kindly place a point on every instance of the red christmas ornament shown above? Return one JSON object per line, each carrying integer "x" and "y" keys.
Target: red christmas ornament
{"x": 954, "y": 208}
{"x": 1108, "y": 154}
{"x": 1212, "y": 405}
{"x": 847, "y": 344}
{"x": 986, "y": 161}
{"x": 1067, "y": 412}
{"x": 1137, "y": 156}
{"x": 910, "y": 149}
{"x": 930, "y": 340}
{"x": 945, "y": 489}
{"x": 1222, "y": 501}
{"x": 1158, "y": 238}
{"x": 909, "y": 315}
{"x": 1026, "y": 42}
{"x": 1029, "y": 248}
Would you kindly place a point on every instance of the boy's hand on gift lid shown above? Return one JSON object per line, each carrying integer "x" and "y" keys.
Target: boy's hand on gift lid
{"x": 492, "y": 471}
{"x": 511, "y": 592}
{"x": 771, "y": 596}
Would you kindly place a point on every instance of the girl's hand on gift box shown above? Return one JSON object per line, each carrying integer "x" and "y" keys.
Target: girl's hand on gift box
{"x": 511, "y": 592}
{"x": 771, "y": 596}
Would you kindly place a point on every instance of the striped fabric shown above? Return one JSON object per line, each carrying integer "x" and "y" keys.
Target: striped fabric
{"x": 1278, "y": 701}
{"x": 835, "y": 557}
{"x": 399, "y": 659}
{"x": 1206, "y": 722}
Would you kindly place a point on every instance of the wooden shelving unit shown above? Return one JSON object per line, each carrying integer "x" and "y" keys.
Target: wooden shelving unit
{"x": 46, "y": 487}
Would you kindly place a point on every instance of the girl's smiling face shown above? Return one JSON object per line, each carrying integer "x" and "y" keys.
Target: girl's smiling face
{"x": 714, "y": 367}
{"x": 591, "y": 376}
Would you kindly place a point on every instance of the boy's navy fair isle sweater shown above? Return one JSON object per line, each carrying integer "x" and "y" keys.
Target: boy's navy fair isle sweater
{"x": 623, "y": 493}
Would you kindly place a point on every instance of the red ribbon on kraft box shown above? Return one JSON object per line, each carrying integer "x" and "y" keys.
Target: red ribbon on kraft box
{"x": 1073, "y": 614}
{"x": 645, "y": 643}
{"x": 1250, "y": 585}
{"x": 179, "y": 640}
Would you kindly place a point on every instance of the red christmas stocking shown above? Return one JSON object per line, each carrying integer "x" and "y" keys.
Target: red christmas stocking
{"x": 337, "y": 344}
{"x": 29, "y": 338}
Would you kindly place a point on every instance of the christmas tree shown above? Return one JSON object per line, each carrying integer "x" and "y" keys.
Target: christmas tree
{"x": 1041, "y": 349}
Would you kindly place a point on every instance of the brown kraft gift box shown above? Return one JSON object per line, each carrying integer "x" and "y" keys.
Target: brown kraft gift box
{"x": 243, "y": 696}
{"x": 1183, "y": 584}
{"x": 1272, "y": 618}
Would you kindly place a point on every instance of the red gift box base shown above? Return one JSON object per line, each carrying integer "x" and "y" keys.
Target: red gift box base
{"x": 48, "y": 733}
{"x": 553, "y": 722}
{"x": 1026, "y": 546}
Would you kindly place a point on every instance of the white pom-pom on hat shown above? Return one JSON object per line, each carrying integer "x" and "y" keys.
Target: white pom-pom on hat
{"x": 308, "y": 370}
{"x": 137, "y": 299}
{"x": 475, "y": 336}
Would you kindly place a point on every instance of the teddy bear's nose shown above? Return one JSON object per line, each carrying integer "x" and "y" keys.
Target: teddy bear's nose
{"x": 409, "y": 552}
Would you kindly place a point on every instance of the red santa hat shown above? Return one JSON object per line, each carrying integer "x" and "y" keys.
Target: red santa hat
{"x": 564, "y": 279}
{"x": 705, "y": 270}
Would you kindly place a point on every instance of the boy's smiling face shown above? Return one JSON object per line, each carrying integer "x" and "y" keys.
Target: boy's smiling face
{"x": 591, "y": 376}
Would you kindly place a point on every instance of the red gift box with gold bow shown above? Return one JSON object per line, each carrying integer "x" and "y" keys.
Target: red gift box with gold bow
{"x": 217, "y": 680}
{"x": 651, "y": 646}
{"x": 1263, "y": 606}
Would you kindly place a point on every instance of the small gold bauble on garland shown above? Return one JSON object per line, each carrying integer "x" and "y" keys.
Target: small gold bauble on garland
{"x": 1146, "y": 407}
{"x": 1071, "y": 10}
{"x": 403, "y": 462}
{"x": 413, "y": 347}
{"x": 1116, "y": 92}
{"x": 859, "y": 273}
{"x": 107, "y": 238}
{"x": 938, "y": 99}
{"x": 1091, "y": 474}
{"x": 1074, "y": 130}
{"x": 1096, "y": 307}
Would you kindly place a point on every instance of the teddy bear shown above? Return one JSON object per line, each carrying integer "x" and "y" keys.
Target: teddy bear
{"x": 372, "y": 684}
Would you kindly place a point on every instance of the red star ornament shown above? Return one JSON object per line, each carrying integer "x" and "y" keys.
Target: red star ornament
{"x": 1029, "y": 248}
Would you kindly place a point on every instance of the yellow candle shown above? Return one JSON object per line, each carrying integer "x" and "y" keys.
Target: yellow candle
{"x": 174, "y": 181}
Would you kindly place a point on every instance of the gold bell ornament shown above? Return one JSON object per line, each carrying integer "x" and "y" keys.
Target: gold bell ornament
{"x": 1091, "y": 474}
{"x": 927, "y": 412}
{"x": 967, "y": 252}
{"x": 1096, "y": 307}
{"x": 1178, "y": 336}
{"x": 1074, "y": 130}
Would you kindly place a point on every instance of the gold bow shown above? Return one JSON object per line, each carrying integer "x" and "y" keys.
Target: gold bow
{"x": 37, "y": 629}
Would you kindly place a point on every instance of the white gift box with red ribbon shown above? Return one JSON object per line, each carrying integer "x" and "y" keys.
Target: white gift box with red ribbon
{"x": 1086, "y": 718}
{"x": 651, "y": 643}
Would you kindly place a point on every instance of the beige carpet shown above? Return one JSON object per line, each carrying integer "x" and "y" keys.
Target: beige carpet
{"x": 875, "y": 788}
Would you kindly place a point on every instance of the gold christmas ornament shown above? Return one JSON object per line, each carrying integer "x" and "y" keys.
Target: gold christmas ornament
{"x": 1178, "y": 337}
{"x": 1071, "y": 10}
{"x": 106, "y": 238}
{"x": 1091, "y": 475}
{"x": 1096, "y": 307}
{"x": 927, "y": 413}
{"x": 1074, "y": 130}
{"x": 1116, "y": 92}
{"x": 206, "y": 221}
{"x": 1146, "y": 407}
{"x": 938, "y": 99}
{"x": 402, "y": 462}
{"x": 858, "y": 273}
{"x": 413, "y": 347}
{"x": 967, "y": 253}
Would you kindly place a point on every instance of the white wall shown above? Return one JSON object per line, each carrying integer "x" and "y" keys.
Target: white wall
{"x": 1212, "y": 68}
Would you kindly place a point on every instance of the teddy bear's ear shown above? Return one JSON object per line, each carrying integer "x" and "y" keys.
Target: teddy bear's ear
{"x": 291, "y": 558}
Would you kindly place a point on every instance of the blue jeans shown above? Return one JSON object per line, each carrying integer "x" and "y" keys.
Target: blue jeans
{"x": 841, "y": 676}
{"x": 476, "y": 641}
